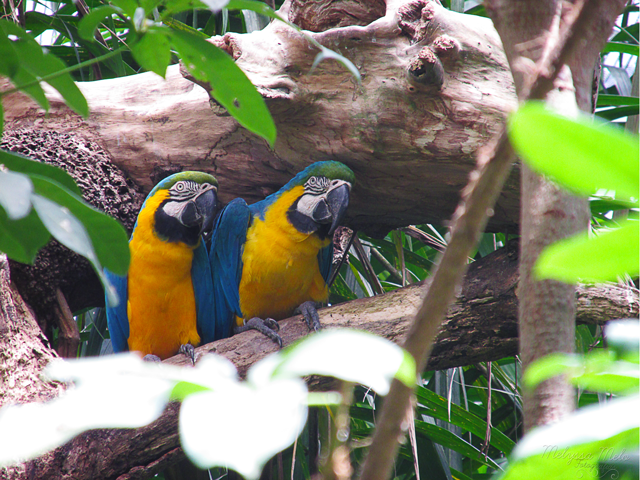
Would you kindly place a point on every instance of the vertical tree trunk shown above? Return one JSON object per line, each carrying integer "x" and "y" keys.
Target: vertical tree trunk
{"x": 548, "y": 214}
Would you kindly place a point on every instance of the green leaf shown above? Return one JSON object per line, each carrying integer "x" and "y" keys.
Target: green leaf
{"x": 178, "y": 25}
{"x": 153, "y": 51}
{"x": 622, "y": 47}
{"x": 577, "y": 154}
{"x": 15, "y": 193}
{"x": 9, "y": 62}
{"x": 127, "y": 6}
{"x": 22, "y": 239}
{"x": 606, "y": 100}
{"x": 229, "y": 85}
{"x": 605, "y": 257}
{"x": 89, "y": 23}
{"x": 22, "y": 78}
{"x": 596, "y": 371}
{"x": 615, "y": 113}
{"x": 19, "y": 163}
{"x": 258, "y": 7}
{"x": 450, "y": 440}
{"x": 573, "y": 447}
{"x": 40, "y": 65}
{"x": 438, "y": 407}
{"x": 350, "y": 355}
{"x": 106, "y": 240}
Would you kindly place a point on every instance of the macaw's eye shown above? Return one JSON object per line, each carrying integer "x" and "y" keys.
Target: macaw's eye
{"x": 316, "y": 185}
{"x": 180, "y": 186}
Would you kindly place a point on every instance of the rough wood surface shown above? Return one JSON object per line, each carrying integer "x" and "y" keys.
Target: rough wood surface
{"x": 435, "y": 87}
{"x": 481, "y": 326}
{"x": 24, "y": 350}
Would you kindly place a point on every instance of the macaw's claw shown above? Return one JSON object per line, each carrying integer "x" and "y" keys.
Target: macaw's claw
{"x": 310, "y": 313}
{"x": 267, "y": 327}
{"x": 151, "y": 358}
{"x": 189, "y": 351}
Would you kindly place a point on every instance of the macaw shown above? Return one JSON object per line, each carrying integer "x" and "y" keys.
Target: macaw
{"x": 273, "y": 258}
{"x": 166, "y": 299}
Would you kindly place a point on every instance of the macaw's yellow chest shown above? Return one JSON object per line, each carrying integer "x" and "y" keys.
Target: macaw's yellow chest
{"x": 161, "y": 303}
{"x": 280, "y": 264}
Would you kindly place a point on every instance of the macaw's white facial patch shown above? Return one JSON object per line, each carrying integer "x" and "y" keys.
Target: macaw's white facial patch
{"x": 174, "y": 209}
{"x": 308, "y": 203}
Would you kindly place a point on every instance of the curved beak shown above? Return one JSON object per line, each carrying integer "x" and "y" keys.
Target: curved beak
{"x": 332, "y": 208}
{"x": 201, "y": 210}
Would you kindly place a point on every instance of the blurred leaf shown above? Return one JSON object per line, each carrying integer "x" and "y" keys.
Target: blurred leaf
{"x": 273, "y": 416}
{"x": 153, "y": 51}
{"x": 88, "y": 25}
{"x": 229, "y": 85}
{"x": 103, "y": 233}
{"x": 19, "y": 163}
{"x": 21, "y": 239}
{"x": 605, "y": 257}
{"x": 596, "y": 371}
{"x": 572, "y": 447}
{"x": 15, "y": 194}
{"x": 623, "y": 337}
{"x": 350, "y": 355}
{"x": 576, "y": 154}
{"x": 117, "y": 399}
{"x": 128, "y": 6}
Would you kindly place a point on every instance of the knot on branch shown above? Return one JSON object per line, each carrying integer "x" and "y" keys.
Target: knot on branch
{"x": 414, "y": 17}
{"x": 427, "y": 69}
{"x": 321, "y": 15}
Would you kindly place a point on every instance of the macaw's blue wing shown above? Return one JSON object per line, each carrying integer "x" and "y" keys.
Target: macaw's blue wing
{"x": 225, "y": 255}
{"x": 117, "y": 318}
{"x": 325, "y": 259}
{"x": 203, "y": 291}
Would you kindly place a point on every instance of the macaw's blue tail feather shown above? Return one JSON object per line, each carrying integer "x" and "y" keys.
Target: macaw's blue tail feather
{"x": 225, "y": 255}
{"x": 117, "y": 316}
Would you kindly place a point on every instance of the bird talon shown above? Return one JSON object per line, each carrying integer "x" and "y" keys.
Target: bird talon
{"x": 189, "y": 351}
{"x": 309, "y": 312}
{"x": 267, "y": 327}
{"x": 151, "y": 358}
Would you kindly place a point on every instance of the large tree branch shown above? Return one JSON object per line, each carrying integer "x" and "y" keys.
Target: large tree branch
{"x": 435, "y": 88}
{"x": 481, "y": 326}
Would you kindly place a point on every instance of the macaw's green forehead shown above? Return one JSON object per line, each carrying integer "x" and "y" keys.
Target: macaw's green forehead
{"x": 331, "y": 169}
{"x": 198, "y": 177}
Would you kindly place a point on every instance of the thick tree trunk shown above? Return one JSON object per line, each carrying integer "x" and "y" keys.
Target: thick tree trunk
{"x": 549, "y": 213}
{"x": 481, "y": 326}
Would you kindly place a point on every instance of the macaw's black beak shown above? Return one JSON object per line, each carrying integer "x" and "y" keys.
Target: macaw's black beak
{"x": 200, "y": 212}
{"x": 331, "y": 210}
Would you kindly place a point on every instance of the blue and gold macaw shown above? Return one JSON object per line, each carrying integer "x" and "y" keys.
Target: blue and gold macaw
{"x": 166, "y": 300}
{"x": 273, "y": 258}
